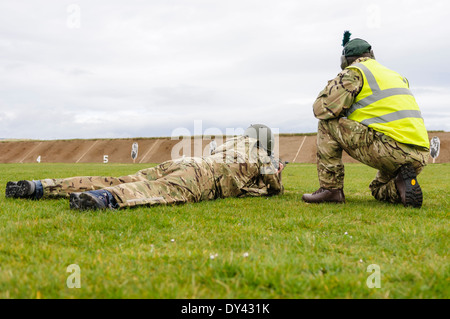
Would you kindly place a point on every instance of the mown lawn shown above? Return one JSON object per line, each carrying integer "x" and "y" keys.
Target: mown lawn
{"x": 277, "y": 248}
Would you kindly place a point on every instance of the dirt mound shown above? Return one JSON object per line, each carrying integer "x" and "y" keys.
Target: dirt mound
{"x": 292, "y": 148}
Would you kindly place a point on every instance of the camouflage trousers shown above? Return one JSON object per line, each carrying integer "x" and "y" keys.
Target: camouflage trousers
{"x": 367, "y": 146}
{"x": 171, "y": 182}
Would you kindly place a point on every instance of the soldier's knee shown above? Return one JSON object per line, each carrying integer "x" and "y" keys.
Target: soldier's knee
{"x": 327, "y": 124}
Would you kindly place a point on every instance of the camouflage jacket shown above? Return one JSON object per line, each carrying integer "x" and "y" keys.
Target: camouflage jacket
{"x": 339, "y": 94}
{"x": 240, "y": 168}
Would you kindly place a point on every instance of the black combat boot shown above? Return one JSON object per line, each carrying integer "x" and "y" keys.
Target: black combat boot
{"x": 97, "y": 199}
{"x": 24, "y": 189}
{"x": 408, "y": 187}
{"x": 11, "y": 189}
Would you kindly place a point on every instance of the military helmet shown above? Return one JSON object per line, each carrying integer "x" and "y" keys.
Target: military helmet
{"x": 263, "y": 134}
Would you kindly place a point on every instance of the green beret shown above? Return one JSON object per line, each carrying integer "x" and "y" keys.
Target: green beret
{"x": 356, "y": 47}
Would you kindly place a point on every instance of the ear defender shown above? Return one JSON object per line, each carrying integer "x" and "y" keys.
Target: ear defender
{"x": 344, "y": 62}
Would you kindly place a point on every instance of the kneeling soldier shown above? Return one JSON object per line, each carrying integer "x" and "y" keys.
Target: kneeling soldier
{"x": 369, "y": 111}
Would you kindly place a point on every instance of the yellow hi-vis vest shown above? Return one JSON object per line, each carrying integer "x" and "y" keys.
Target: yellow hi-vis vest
{"x": 386, "y": 104}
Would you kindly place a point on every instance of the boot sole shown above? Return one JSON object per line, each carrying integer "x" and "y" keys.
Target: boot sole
{"x": 11, "y": 189}
{"x": 413, "y": 192}
{"x": 308, "y": 200}
{"x": 75, "y": 202}
{"x": 20, "y": 189}
{"x": 323, "y": 201}
{"x": 24, "y": 189}
{"x": 84, "y": 201}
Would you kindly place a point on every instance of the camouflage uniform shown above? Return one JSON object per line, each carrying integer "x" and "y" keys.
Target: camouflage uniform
{"x": 337, "y": 133}
{"x": 236, "y": 168}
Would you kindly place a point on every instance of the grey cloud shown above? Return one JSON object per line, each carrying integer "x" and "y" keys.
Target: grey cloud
{"x": 144, "y": 68}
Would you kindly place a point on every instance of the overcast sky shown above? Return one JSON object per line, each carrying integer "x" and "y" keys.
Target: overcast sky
{"x": 117, "y": 69}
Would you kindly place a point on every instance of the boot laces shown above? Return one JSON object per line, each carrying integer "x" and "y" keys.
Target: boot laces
{"x": 320, "y": 190}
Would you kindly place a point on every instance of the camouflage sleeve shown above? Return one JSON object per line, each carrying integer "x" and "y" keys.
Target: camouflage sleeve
{"x": 271, "y": 177}
{"x": 338, "y": 95}
{"x": 273, "y": 183}
{"x": 268, "y": 180}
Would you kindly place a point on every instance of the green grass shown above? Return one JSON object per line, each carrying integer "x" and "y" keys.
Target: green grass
{"x": 295, "y": 250}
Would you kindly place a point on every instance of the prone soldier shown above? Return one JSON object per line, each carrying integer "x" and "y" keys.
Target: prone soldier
{"x": 242, "y": 166}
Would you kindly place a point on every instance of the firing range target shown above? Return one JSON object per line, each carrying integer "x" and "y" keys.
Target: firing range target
{"x": 134, "y": 151}
{"x": 435, "y": 146}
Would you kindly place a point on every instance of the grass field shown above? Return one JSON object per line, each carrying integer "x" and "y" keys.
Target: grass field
{"x": 277, "y": 247}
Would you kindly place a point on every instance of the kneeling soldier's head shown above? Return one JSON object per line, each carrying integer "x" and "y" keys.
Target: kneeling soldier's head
{"x": 354, "y": 49}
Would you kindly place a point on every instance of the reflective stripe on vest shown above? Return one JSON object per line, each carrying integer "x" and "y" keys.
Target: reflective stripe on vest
{"x": 377, "y": 93}
{"x": 386, "y": 104}
{"x": 392, "y": 117}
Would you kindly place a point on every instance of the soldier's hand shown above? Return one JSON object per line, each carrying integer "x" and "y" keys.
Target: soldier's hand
{"x": 280, "y": 167}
